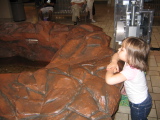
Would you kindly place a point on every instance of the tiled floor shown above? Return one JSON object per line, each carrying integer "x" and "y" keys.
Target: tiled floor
{"x": 105, "y": 19}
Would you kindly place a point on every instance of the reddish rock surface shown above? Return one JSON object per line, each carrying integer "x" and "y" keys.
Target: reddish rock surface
{"x": 71, "y": 86}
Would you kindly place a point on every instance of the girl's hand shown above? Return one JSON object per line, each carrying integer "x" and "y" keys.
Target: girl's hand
{"x": 113, "y": 66}
{"x": 112, "y": 70}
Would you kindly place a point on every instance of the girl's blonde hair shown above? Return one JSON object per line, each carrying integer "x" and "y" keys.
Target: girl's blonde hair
{"x": 137, "y": 52}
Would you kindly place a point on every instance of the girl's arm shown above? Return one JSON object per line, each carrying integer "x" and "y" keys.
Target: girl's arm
{"x": 114, "y": 62}
{"x": 114, "y": 78}
{"x": 111, "y": 76}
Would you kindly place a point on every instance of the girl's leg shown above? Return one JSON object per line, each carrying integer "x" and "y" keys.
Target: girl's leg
{"x": 142, "y": 110}
{"x": 74, "y": 13}
{"x": 78, "y": 12}
{"x": 89, "y": 8}
{"x": 50, "y": 16}
{"x": 90, "y": 14}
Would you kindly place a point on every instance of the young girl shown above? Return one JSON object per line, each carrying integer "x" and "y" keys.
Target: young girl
{"x": 89, "y": 8}
{"x": 76, "y": 8}
{"x": 134, "y": 52}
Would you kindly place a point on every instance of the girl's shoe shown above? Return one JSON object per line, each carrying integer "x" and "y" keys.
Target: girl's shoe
{"x": 92, "y": 20}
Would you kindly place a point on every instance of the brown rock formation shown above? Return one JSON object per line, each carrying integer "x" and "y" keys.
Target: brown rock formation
{"x": 71, "y": 86}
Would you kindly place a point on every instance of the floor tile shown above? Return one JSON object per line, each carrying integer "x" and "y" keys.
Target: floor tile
{"x": 155, "y": 81}
{"x": 157, "y": 58}
{"x": 148, "y": 77}
{"x": 124, "y": 109}
{"x": 154, "y": 68}
{"x": 153, "y": 73}
{"x": 121, "y": 116}
{"x": 150, "y": 118}
{"x": 152, "y": 62}
{"x": 155, "y": 96}
{"x": 156, "y": 89}
{"x": 153, "y": 104}
{"x": 158, "y": 63}
{"x": 153, "y": 113}
{"x": 149, "y": 86}
{"x": 157, "y": 103}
